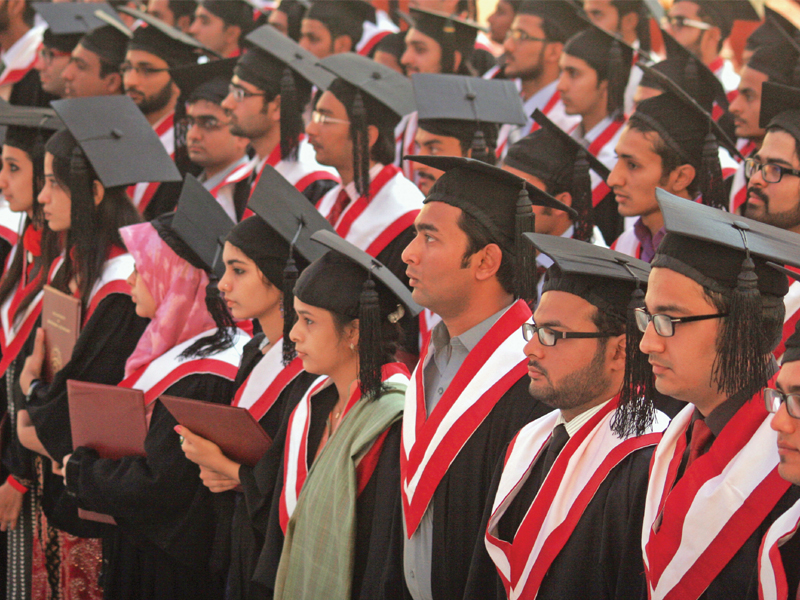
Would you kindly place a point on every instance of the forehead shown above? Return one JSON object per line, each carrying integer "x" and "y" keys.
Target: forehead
{"x": 684, "y": 8}
{"x": 415, "y": 36}
{"x": 423, "y": 137}
{"x": 86, "y": 55}
{"x": 750, "y": 78}
{"x": 231, "y": 252}
{"x": 532, "y": 179}
{"x": 574, "y": 63}
{"x": 789, "y": 377}
{"x": 201, "y": 11}
{"x": 778, "y": 145}
{"x": 672, "y": 292}
{"x": 204, "y": 107}
{"x": 330, "y": 104}
{"x": 314, "y": 26}
{"x": 604, "y": 7}
{"x": 440, "y": 215}
{"x": 562, "y": 307}
{"x": 637, "y": 145}
{"x": 531, "y": 24}
{"x": 145, "y": 57}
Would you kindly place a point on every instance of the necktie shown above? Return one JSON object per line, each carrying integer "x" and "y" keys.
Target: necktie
{"x": 558, "y": 440}
{"x": 342, "y": 200}
{"x": 701, "y": 436}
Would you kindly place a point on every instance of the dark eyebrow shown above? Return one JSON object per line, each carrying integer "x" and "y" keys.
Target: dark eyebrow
{"x": 425, "y": 227}
{"x": 668, "y": 308}
{"x": 234, "y": 261}
{"x": 793, "y": 389}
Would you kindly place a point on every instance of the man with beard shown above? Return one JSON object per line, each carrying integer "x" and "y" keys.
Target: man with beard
{"x": 154, "y": 49}
{"x": 773, "y": 178}
{"x": 533, "y": 49}
{"x": 570, "y": 491}
{"x": 269, "y": 90}
{"x": 19, "y": 45}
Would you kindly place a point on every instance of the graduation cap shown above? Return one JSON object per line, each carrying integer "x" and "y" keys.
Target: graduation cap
{"x": 168, "y": 43}
{"x": 286, "y": 222}
{"x": 67, "y": 23}
{"x": 278, "y": 65}
{"x": 450, "y": 32}
{"x": 553, "y": 156}
{"x": 208, "y": 81}
{"x": 468, "y": 108}
{"x": 780, "y": 107}
{"x": 232, "y": 12}
{"x": 727, "y": 254}
{"x": 499, "y": 201}
{"x": 342, "y": 18}
{"x": 612, "y": 282}
{"x": 349, "y": 282}
{"x": 771, "y": 31}
{"x": 690, "y": 131}
{"x": 723, "y": 13}
{"x": 109, "y": 41}
{"x": 609, "y": 56}
{"x": 372, "y": 94}
{"x": 563, "y": 17}
{"x": 779, "y": 59}
{"x": 26, "y": 127}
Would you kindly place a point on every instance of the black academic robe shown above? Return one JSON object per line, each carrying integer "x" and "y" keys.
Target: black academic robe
{"x": 165, "y": 515}
{"x": 317, "y": 189}
{"x": 242, "y": 518}
{"x": 164, "y": 200}
{"x": 459, "y": 500}
{"x": 604, "y": 548}
{"x": 99, "y": 356}
{"x": 378, "y": 569}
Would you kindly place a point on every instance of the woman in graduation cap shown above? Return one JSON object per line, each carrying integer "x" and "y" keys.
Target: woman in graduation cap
{"x": 21, "y": 180}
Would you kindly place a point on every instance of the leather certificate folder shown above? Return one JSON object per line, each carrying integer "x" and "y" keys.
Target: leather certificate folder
{"x": 232, "y": 428}
{"x": 108, "y": 419}
{"x": 61, "y": 320}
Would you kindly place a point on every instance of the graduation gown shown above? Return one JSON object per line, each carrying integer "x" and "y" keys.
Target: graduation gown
{"x": 776, "y": 576}
{"x": 378, "y": 571}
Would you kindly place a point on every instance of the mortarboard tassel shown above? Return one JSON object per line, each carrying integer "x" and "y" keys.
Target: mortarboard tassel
{"x": 479, "y": 150}
{"x": 525, "y": 260}
{"x": 290, "y": 275}
{"x": 636, "y": 411}
{"x": 616, "y": 81}
{"x": 712, "y": 186}
{"x": 370, "y": 341}
{"x": 581, "y": 193}
{"x": 691, "y": 79}
{"x": 360, "y": 146}
{"x": 291, "y": 119}
{"x": 741, "y": 361}
{"x": 448, "y": 48}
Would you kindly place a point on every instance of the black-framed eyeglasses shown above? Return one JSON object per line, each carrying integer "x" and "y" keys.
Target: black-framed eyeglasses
{"x": 664, "y": 324}
{"x": 773, "y": 399}
{"x": 771, "y": 172}
{"x": 549, "y": 337}
{"x": 141, "y": 70}
{"x": 678, "y": 22}
{"x": 204, "y": 122}
{"x": 240, "y": 94}
{"x": 520, "y": 36}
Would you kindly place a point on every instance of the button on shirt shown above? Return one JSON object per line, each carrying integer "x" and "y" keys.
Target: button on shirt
{"x": 444, "y": 359}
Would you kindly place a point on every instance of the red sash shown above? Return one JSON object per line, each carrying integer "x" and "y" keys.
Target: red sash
{"x": 772, "y": 583}
{"x": 430, "y": 444}
{"x": 792, "y": 303}
{"x": 113, "y": 280}
{"x": 149, "y": 189}
{"x": 605, "y": 136}
{"x": 740, "y": 485}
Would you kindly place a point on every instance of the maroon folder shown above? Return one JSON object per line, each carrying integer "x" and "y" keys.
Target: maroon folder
{"x": 61, "y": 320}
{"x": 108, "y": 419}
{"x": 232, "y": 428}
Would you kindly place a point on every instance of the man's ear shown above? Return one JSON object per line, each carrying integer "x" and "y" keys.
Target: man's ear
{"x": 488, "y": 262}
{"x": 343, "y": 44}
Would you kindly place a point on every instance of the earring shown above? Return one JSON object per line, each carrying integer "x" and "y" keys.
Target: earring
{"x": 352, "y": 347}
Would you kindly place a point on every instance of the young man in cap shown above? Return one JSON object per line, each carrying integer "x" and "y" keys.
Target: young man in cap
{"x": 209, "y": 142}
{"x": 94, "y": 67}
{"x": 533, "y": 50}
{"x": 469, "y": 393}
{"x": 269, "y": 90}
{"x": 780, "y": 548}
{"x": 564, "y": 513}
{"x": 713, "y": 315}
{"x": 154, "y": 49}
{"x": 330, "y": 27}
{"x": 175, "y": 13}
{"x": 221, "y": 25}
{"x": 702, "y": 26}
{"x": 19, "y": 45}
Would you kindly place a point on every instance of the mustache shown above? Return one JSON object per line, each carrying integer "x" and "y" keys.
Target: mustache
{"x": 538, "y": 367}
{"x": 758, "y": 193}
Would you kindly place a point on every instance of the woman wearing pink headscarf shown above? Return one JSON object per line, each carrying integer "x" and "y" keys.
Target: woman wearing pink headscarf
{"x": 165, "y": 515}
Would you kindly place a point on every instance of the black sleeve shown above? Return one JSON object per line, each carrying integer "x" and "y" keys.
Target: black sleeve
{"x": 99, "y": 356}
{"x": 315, "y": 190}
{"x": 163, "y": 201}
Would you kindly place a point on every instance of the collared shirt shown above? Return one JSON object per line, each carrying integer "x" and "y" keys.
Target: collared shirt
{"x": 445, "y": 357}
{"x": 225, "y": 200}
{"x": 648, "y": 241}
{"x": 350, "y": 188}
{"x": 572, "y": 426}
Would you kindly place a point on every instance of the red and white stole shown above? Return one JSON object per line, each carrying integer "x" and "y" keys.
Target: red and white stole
{"x": 159, "y": 374}
{"x": 719, "y": 502}
{"x": 431, "y": 443}
{"x": 628, "y": 243}
{"x": 577, "y": 473}
{"x": 113, "y": 280}
{"x": 20, "y": 59}
{"x": 301, "y": 172}
{"x": 406, "y": 142}
{"x": 266, "y": 381}
{"x": 295, "y": 460}
{"x": 372, "y": 223}
{"x": 142, "y": 193}
{"x": 771, "y": 571}
{"x": 791, "y": 302}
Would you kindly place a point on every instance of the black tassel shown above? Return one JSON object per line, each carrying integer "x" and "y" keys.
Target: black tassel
{"x": 370, "y": 342}
{"x": 479, "y": 150}
{"x": 712, "y": 185}
{"x": 290, "y": 275}
{"x": 636, "y": 410}
{"x": 525, "y": 260}
{"x": 448, "y": 48}
{"x": 291, "y": 119}
{"x": 740, "y": 359}
{"x": 360, "y": 147}
{"x": 581, "y": 192}
{"x": 616, "y": 79}
{"x": 691, "y": 79}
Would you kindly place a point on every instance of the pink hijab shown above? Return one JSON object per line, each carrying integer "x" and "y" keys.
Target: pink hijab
{"x": 179, "y": 291}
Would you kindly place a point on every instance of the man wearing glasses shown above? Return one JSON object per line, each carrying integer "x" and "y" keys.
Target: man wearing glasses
{"x": 713, "y": 315}
{"x": 268, "y": 93}
{"x": 570, "y": 490}
{"x": 702, "y": 26}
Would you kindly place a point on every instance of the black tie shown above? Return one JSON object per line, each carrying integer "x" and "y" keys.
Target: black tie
{"x": 558, "y": 440}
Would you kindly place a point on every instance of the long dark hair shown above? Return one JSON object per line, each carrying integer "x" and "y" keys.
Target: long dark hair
{"x": 32, "y": 143}
{"x": 94, "y": 229}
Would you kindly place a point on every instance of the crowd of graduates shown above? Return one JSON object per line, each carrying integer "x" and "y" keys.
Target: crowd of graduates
{"x": 514, "y": 311}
